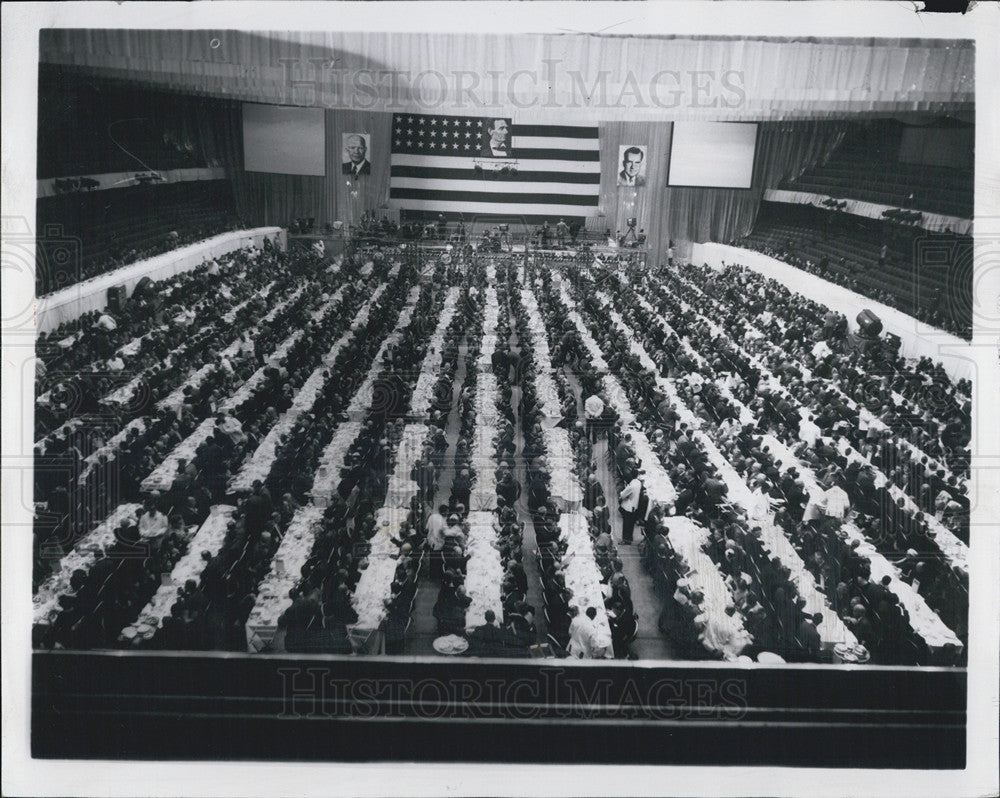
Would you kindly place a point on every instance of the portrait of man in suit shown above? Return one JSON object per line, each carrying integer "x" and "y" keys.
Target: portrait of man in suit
{"x": 633, "y": 160}
{"x": 356, "y": 161}
{"x": 496, "y": 139}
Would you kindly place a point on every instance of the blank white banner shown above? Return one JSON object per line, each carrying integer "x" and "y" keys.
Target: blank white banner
{"x": 712, "y": 154}
{"x": 282, "y": 140}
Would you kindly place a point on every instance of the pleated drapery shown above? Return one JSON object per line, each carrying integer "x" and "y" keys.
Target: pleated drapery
{"x": 701, "y": 214}
{"x": 599, "y": 77}
{"x": 265, "y": 198}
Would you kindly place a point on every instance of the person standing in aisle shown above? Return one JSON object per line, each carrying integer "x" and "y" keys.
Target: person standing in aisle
{"x": 594, "y": 409}
{"x": 628, "y": 503}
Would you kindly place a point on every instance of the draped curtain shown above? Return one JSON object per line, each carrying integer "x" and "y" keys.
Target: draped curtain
{"x": 348, "y": 199}
{"x": 263, "y": 198}
{"x": 90, "y": 125}
{"x": 601, "y": 77}
{"x": 688, "y": 214}
{"x": 619, "y": 203}
{"x": 784, "y": 149}
{"x": 632, "y": 86}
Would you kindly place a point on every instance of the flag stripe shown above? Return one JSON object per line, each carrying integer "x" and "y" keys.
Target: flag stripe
{"x": 554, "y": 153}
{"x": 563, "y": 131}
{"x": 468, "y": 162}
{"x": 542, "y": 210}
{"x": 491, "y": 196}
{"x": 515, "y": 219}
{"x": 446, "y": 148}
{"x": 519, "y": 143}
{"x": 492, "y": 187}
{"x": 532, "y": 175}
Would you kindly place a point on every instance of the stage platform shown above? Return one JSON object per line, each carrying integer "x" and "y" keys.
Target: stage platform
{"x": 513, "y": 247}
{"x": 334, "y": 243}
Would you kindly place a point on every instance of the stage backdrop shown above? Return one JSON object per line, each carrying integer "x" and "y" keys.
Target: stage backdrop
{"x": 684, "y": 214}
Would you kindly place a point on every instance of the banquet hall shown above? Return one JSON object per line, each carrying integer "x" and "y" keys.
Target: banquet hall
{"x": 611, "y": 359}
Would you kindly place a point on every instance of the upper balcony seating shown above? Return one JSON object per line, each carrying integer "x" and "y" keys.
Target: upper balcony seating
{"x": 87, "y": 234}
{"x": 927, "y": 275}
{"x": 870, "y": 170}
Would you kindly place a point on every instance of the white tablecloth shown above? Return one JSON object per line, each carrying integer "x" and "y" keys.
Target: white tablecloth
{"x": 133, "y": 346}
{"x": 923, "y": 619}
{"x": 954, "y": 550}
{"x": 401, "y": 487}
{"x": 163, "y": 476}
{"x": 866, "y": 417}
{"x": 545, "y": 386}
{"x": 832, "y": 629}
{"x": 483, "y": 495}
{"x": 209, "y": 538}
{"x": 285, "y": 573}
{"x": 81, "y": 558}
{"x": 423, "y": 392}
{"x": 375, "y": 585}
{"x": 263, "y": 293}
{"x": 331, "y": 462}
{"x": 722, "y": 632}
{"x": 583, "y": 578}
{"x": 110, "y": 448}
{"x": 563, "y": 484}
{"x": 484, "y": 570}
{"x": 361, "y": 403}
{"x": 260, "y": 463}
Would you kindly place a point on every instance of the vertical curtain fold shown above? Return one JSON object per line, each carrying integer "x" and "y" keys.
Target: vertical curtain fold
{"x": 784, "y": 149}
{"x": 778, "y": 78}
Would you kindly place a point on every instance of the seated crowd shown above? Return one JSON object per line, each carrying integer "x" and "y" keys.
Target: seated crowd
{"x": 902, "y": 534}
{"x": 748, "y": 381}
{"x": 236, "y": 422}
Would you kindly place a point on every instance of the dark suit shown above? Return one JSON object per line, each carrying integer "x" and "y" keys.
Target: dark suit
{"x": 487, "y": 641}
{"x": 623, "y": 179}
{"x": 364, "y": 169}
{"x": 809, "y": 638}
{"x": 487, "y": 150}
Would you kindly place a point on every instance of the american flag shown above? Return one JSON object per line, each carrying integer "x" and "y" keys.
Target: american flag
{"x": 445, "y": 164}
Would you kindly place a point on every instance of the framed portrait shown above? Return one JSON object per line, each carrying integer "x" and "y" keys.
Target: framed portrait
{"x": 632, "y": 165}
{"x": 496, "y": 138}
{"x": 356, "y": 157}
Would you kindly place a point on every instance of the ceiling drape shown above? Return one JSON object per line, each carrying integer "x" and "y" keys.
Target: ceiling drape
{"x": 537, "y": 76}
